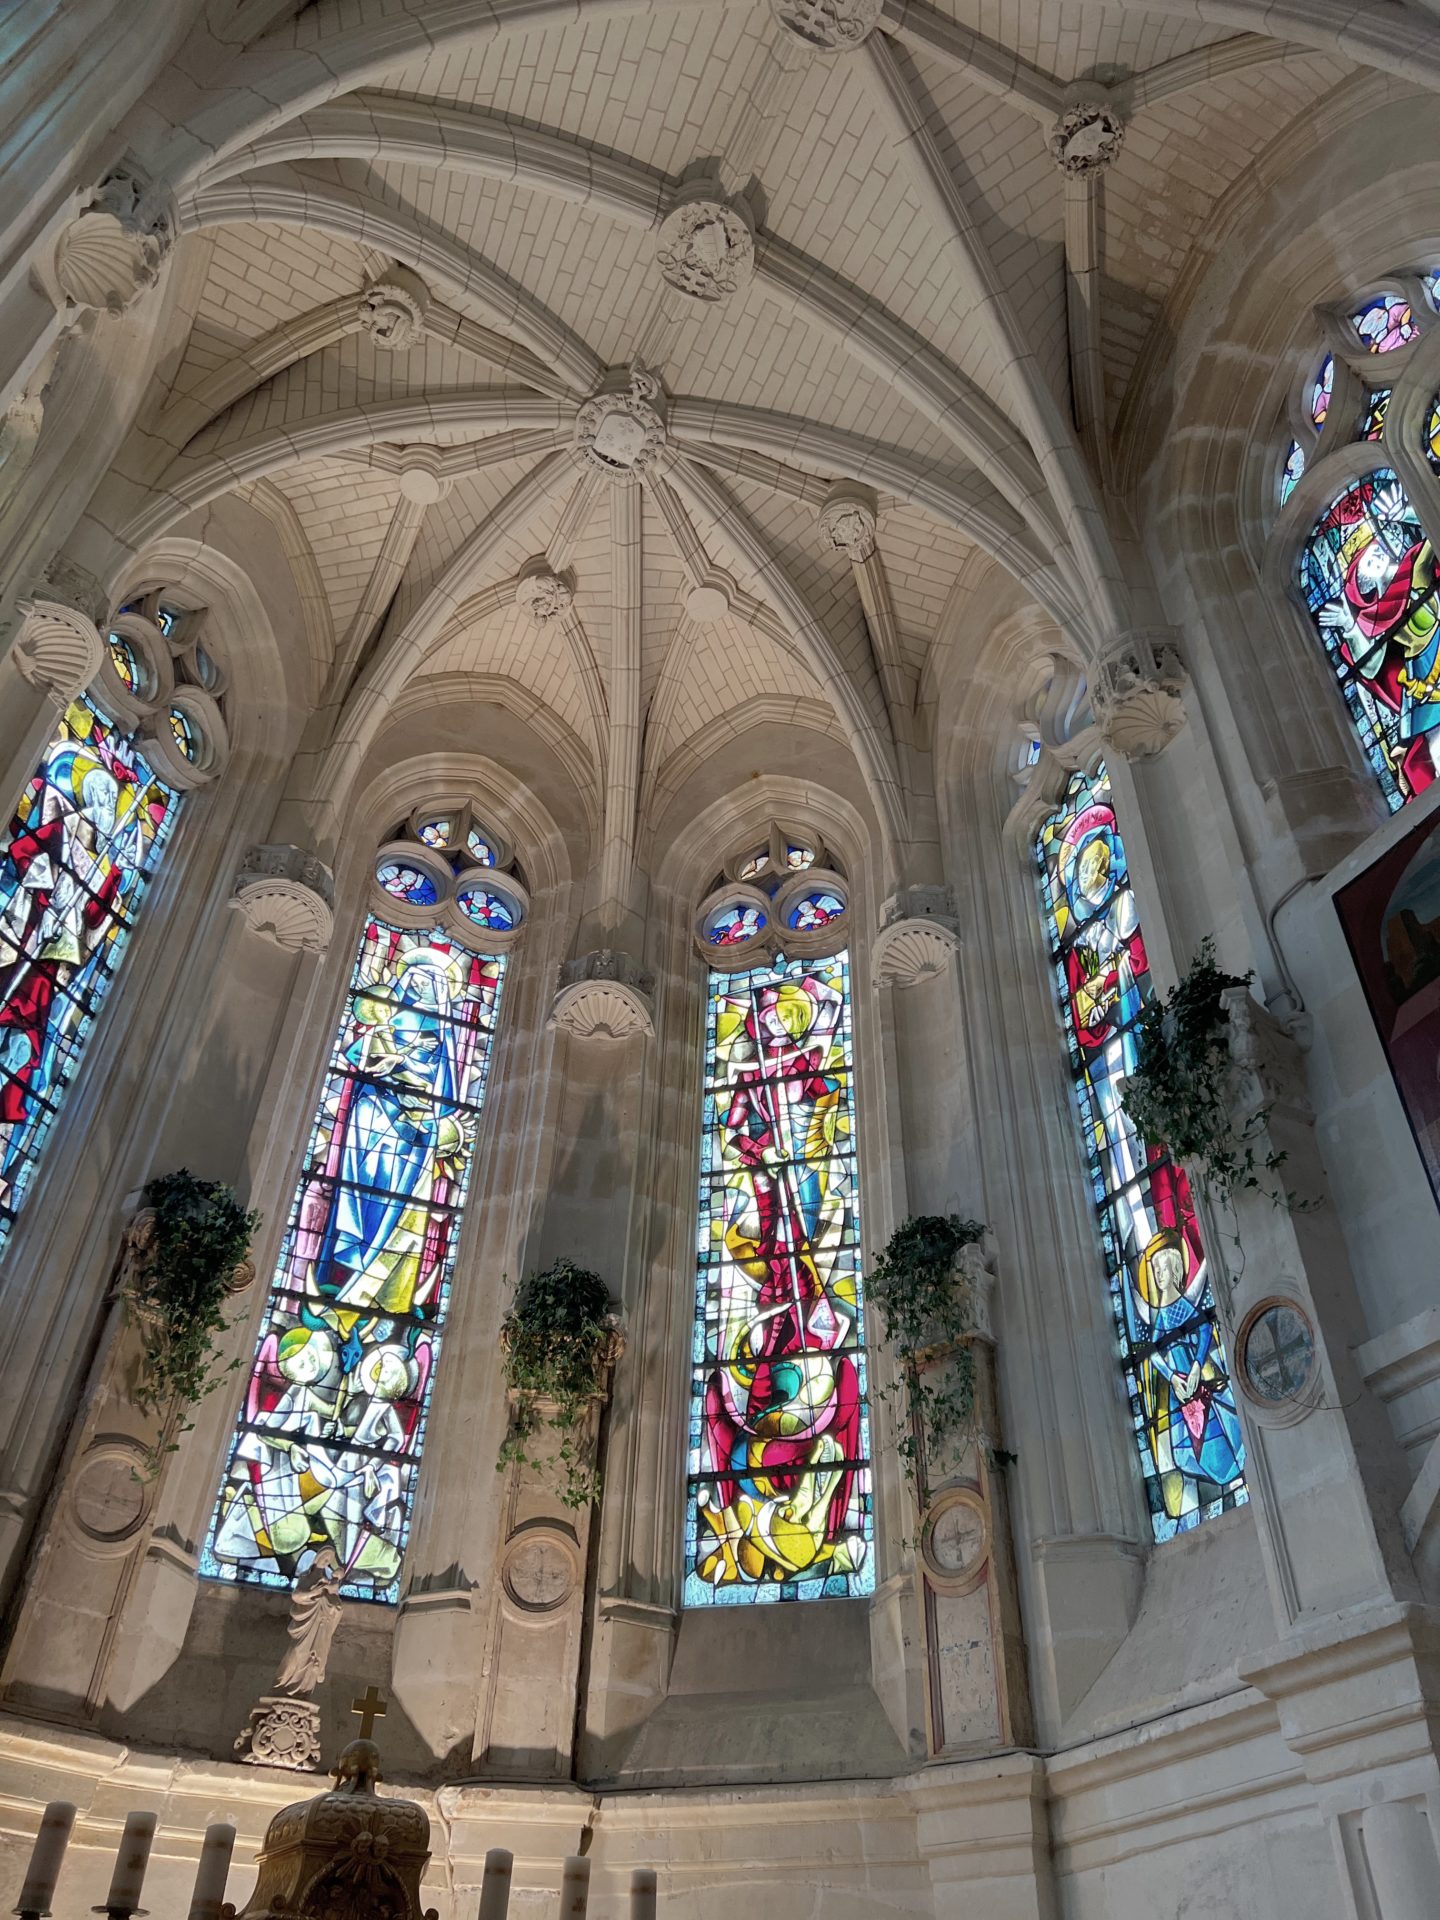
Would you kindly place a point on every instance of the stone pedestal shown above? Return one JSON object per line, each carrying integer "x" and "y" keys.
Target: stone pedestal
{"x": 976, "y": 1689}
{"x": 531, "y": 1675}
{"x": 89, "y": 1566}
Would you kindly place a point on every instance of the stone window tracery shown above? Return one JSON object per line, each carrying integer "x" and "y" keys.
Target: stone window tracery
{"x": 778, "y": 1493}
{"x": 330, "y": 1434}
{"x": 1182, "y": 1402}
{"x": 76, "y": 858}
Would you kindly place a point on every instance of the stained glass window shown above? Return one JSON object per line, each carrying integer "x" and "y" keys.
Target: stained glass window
{"x": 407, "y": 882}
{"x": 334, "y": 1416}
{"x": 1290, "y": 477}
{"x": 487, "y": 909}
{"x": 1385, "y": 323}
{"x": 1432, "y": 435}
{"x": 814, "y": 910}
{"x": 90, "y": 827}
{"x": 1367, "y": 574}
{"x": 1372, "y": 421}
{"x": 779, "y": 1497}
{"x": 1182, "y": 1402}
{"x": 731, "y": 924}
{"x": 1321, "y": 392}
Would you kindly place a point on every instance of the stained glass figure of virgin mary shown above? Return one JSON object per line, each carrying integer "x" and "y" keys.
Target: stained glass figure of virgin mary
{"x": 779, "y": 1503}
{"x": 1182, "y": 1401}
{"x": 334, "y": 1415}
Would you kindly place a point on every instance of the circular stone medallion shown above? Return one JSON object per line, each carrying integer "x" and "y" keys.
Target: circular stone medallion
{"x": 955, "y": 1541}
{"x": 539, "y": 1572}
{"x": 1277, "y": 1353}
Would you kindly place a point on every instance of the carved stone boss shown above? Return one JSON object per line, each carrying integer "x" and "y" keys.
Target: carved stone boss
{"x": 829, "y": 26}
{"x": 706, "y": 250}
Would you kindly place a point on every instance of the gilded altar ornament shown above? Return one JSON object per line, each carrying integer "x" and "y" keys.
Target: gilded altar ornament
{"x": 346, "y": 1854}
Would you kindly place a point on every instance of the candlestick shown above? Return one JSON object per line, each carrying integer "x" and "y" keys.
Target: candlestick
{"x": 131, "y": 1860}
{"x": 49, "y": 1850}
{"x": 495, "y": 1887}
{"x": 574, "y": 1887}
{"x": 642, "y": 1893}
{"x": 212, "y": 1872}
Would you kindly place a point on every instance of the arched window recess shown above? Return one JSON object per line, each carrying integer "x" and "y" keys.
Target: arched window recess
{"x": 778, "y": 1484}
{"x": 76, "y": 856}
{"x": 325, "y": 1453}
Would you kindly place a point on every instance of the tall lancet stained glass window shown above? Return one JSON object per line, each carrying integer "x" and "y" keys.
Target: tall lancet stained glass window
{"x": 1182, "y": 1400}
{"x": 91, "y": 826}
{"x": 779, "y": 1494}
{"x": 330, "y": 1434}
{"x": 1368, "y": 577}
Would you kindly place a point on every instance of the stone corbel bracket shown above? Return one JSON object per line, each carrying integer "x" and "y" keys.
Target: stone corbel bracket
{"x": 115, "y": 248}
{"x": 1267, "y": 1061}
{"x": 287, "y": 896}
{"x": 1137, "y": 694}
{"x": 918, "y": 939}
{"x": 605, "y": 995}
{"x": 58, "y": 648}
{"x": 977, "y": 1262}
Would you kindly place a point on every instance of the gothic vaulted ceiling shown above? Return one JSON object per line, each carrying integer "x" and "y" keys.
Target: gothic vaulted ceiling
{"x": 545, "y": 333}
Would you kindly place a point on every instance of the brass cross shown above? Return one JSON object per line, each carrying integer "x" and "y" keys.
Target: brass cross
{"x": 370, "y": 1707}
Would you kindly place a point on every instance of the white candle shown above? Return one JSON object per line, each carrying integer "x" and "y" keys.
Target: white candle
{"x": 130, "y": 1863}
{"x": 213, "y": 1871}
{"x": 574, "y": 1887}
{"x": 642, "y": 1893}
{"x": 50, "y": 1844}
{"x": 495, "y": 1887}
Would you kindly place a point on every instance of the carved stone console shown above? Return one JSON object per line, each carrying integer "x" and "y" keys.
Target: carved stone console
{"x": 58, "y": 648}
{"x": 604, "y": 995}
{"x": 286, "y": 895}
{"x": 1137, "y": 692}
{"x": 113, "y": 251}
{"x": 918, "y": 936}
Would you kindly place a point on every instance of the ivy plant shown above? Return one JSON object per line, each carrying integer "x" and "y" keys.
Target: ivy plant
{"x": 1178, "y": 1092}
{"x": 927, "y": 1306}
{"x": 558, "y": 1338}
{"x": 175, "y": 1294}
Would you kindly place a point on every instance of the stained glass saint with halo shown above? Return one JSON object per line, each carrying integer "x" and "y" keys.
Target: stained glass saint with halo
{"x": 90, "y": 829}
{"x": 1367, "y": 577}
{"x": 1181, "y": 1399}
{"x": 779, "y": 1503}
{"x": 330, "y": 1434}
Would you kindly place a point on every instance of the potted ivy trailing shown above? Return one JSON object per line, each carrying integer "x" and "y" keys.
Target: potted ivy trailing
{"x": 188, "y": 1253}
{"x": 560, "y": 1339}
{"x": 1180, "y": 1089}
{"x": 927, "y": 1304}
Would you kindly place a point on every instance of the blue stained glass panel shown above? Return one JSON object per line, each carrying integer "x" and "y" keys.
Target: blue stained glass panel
{"x": 779, "y": 1503}
{"x": 324, "y": 1458}
{"x": 1182, "y": 1402}
{"x": 91, "y": 826}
